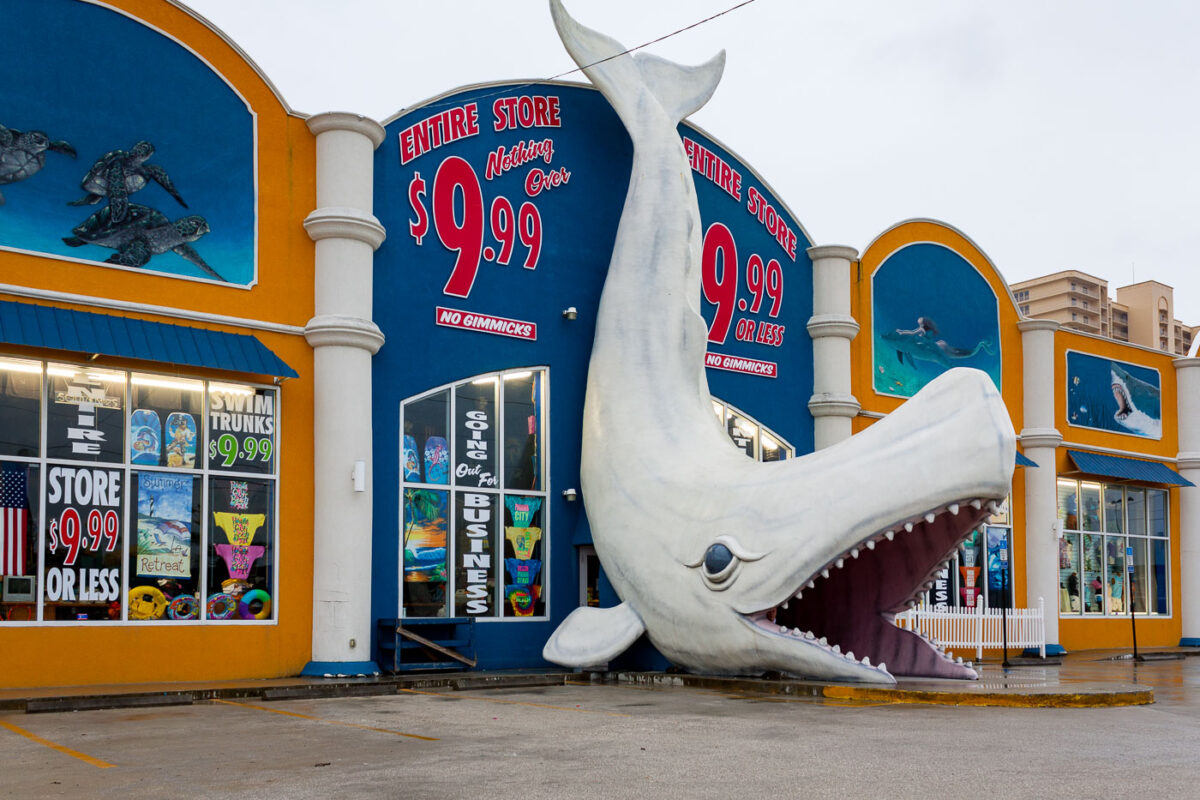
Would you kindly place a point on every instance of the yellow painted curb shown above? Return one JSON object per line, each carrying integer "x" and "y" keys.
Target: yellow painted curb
{"x": 1138, "y": 697}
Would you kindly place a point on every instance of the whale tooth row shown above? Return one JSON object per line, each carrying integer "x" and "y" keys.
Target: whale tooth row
{"x": 908, "y": 526}
{"x": 823, "y": 642}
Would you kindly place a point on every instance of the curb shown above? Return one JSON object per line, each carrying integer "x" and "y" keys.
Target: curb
{"x": 1120, "y": 695}
{"x": 1138, "y": 697}
{"x": 315, "y": 689}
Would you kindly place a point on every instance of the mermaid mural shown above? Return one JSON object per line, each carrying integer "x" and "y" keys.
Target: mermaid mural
{"x": 956, "y": 316}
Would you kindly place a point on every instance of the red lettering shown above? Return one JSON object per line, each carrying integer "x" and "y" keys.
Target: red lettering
{"x": 539, "y": 111}
{"x": 772, "y": 220}
{"x": 714, "y": 168}
{"x": 538, "y": 180}
{"x": 437, "y": 130}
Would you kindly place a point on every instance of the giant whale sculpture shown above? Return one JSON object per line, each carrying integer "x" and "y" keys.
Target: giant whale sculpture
{"x": 731, "y": 566}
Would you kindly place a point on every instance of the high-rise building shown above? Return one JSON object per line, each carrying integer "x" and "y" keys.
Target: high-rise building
{"x": 1142, "y": 313}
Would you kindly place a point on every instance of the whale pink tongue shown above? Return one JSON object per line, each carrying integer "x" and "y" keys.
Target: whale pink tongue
{"x": 854, "y": 606}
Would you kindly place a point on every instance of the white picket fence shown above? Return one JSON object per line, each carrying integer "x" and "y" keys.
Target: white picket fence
{"x": 978, "y": 627}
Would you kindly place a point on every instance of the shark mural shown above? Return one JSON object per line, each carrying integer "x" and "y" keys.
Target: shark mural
{"x": 1113, "y": 396}
{"x": 728, "y": 565}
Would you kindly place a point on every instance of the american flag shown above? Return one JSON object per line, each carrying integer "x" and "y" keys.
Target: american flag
{"x": 14, "y": 517}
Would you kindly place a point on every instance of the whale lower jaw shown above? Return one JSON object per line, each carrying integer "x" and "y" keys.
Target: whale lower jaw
{"x": 846, "y": 609}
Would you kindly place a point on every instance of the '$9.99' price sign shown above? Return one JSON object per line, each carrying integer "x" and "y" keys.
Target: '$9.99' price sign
{"x": 720, "y": 270}
{"x": 230, "y": 450}
{"x": 456, "y": 188}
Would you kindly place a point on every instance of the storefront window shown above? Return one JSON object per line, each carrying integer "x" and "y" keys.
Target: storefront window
{"x": 1068, "y": 574}
{"x": 1132, "y": 531}
{"x": 164, "y": 556}
{"x": 1135, "y": 511}
{"x": 426, "y": 534}
{"x": 163, "y": 427}
{"x": 999, "y": 567}
{"x": 1089, "y": 516}
{"x": 522, "y": 431}
{"x": 743, "y": 433}
{"x": 475, "y": 548}
{"x": 113, "y": 505}
{"x": 1093, "y": 574}
{"x": 20, "y": 407}
{"x": 241, "y": 555}
{"x": 1115, "y": 563}
{"x": 1068, "y": 506}
{"x": 19, "y": 524}
{"x": 980, "y": 573}
{"x": 84, "y": 540}
{"x": 754, "y": 439}
{"x": 1138, "y": 579}
{"x": 1158, "y": 576}
{"x": 241, "y": 429}
{"x": 1114, "y": 509}
{"x": 85, "y": 415}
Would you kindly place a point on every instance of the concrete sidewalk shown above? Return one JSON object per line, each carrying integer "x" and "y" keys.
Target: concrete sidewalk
{"x": 1084, "y": 679}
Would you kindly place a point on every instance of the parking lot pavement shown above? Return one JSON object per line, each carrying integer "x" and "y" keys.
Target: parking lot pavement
{"x": 609, "y": 741}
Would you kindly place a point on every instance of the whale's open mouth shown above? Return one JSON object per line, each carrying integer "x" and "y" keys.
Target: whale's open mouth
{"x": 848, "y": 607}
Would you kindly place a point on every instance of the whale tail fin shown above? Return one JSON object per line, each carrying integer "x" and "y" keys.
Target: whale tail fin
{"x": 680, "y": 90}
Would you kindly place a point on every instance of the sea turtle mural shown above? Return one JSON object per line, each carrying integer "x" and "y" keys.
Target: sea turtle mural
{"x": 118, "y": 174}
{"x": 141, "y": 234}
{"x": 23, "y": 154}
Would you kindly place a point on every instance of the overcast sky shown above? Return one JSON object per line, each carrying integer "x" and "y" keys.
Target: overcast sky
{"x": 1057, "y": 135}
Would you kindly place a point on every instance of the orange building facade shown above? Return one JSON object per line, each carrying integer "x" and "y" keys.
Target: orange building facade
{"x": 1094, "y": 524}
{"x": 157, "y": 403}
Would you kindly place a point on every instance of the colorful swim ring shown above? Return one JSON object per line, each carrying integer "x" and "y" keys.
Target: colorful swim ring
{"x": 185, "y": 606}
{"x": 147, "y": 602}
{"x": 221, "y": 606}
{"x": 255, "y": 595}
{"x": 22, "y": 613}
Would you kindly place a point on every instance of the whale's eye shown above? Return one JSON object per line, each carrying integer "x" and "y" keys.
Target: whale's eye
{"x": 721, "y": 562}
{"x": 717, "y": 561}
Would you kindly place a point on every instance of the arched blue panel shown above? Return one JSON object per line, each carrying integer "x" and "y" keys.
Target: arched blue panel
{"x": 95, "y": 82}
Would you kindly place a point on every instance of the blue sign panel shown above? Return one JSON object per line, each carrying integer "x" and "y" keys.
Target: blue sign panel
{"x": 501, "y": 204}
{"x": 121, "y": 147}
{"x": 1113, "y": 396}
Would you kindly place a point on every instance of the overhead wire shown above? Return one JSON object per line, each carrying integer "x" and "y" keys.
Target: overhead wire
{"x": 509, "y": 88}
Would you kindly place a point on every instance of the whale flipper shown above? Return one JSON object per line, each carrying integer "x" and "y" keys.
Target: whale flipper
{"x": 591, "y": 636}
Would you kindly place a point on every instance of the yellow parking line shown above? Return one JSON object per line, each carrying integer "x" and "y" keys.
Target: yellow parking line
{"x": 515, "y": 703}
{"x": 95, "y": 762}
{"x": 327, "y": 721}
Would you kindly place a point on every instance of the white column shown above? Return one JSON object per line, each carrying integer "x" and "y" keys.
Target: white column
{"x": 343, "y": 338}
{"x": 831, "y": 327}
{"x": 1187, "y": 373}
{"x": 1040, "y": 439}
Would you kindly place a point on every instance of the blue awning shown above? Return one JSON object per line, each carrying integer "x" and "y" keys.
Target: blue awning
{"x": 1025, "y": 461}
{"x": 86, "y": 332}
{"x": 1127, "y": 469}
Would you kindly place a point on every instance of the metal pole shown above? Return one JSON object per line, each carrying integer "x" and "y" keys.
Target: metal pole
{"x": 1129, "y": 599}
{"x": 1003, "y": 598}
